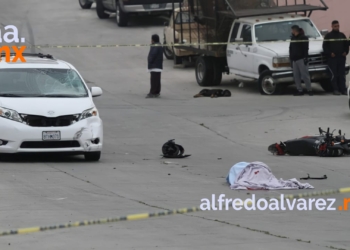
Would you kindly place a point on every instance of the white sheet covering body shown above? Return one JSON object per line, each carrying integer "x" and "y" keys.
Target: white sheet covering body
{"x": 257, "y": 176}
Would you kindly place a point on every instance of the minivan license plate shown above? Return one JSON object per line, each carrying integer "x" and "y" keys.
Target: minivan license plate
{"x": 51, "y": 135}
{"x": 154, "y": 6}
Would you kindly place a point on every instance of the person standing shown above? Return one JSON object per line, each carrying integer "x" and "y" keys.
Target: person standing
{"x": 336, "y": 52}
{"x": 155, "y": 67}
{"x": 298, "y": 54}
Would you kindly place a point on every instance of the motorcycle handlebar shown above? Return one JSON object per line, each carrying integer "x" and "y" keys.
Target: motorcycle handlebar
{"x": 322, "y": 131}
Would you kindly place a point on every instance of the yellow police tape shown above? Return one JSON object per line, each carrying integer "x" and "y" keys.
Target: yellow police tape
{"x": 169, "y": 45}
{"x": 156, "y": 214}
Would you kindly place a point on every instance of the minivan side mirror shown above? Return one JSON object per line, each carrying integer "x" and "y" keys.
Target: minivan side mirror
{"x": 96, "y": 91}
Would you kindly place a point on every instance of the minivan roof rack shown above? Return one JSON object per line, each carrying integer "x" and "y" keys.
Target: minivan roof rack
{"x": 30, "y": 54}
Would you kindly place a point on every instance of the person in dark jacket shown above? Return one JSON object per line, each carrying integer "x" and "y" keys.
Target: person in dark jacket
{"x": 336, "y": 52}
{"x": 155, "y": 67}
{"x": 298, "y": 54}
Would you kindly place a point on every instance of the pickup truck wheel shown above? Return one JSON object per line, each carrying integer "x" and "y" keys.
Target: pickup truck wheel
{"x": 204, "y": 71}
{"x": 217, "y": 67}
{"x": 326, "y": 85}
{"x": 168, "y": 53}
{"x": 266, "y": 84}
{"x": 85, "y": 4}
{"x": 121, "y": 16}
{"x": 177, "y": 59}
{"x": 100, "y": 10}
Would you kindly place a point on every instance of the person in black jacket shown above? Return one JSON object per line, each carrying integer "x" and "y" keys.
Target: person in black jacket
{"x": 336, "y": 52}
{"x": 298, "y": 55}
{"x": 155, "y": 67}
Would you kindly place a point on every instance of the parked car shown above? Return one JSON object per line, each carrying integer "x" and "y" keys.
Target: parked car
{"x": 172, "y": 34}
{"x": 45, "y": 106}
{"x": 86, "y": 4}
{"x": 126, "y": 8}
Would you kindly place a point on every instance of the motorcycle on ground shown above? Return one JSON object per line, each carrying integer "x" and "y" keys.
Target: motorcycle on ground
{"x": 325, "y": 144}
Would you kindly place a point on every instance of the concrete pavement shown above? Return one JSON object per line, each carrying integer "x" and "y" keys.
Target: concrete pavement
{"x": 131, "y": 176}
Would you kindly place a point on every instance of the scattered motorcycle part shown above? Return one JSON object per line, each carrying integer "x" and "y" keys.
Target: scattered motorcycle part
{"x": 313, "y": 178}
{"x": 172, "y": 150}
{"x": 278, "y": 149}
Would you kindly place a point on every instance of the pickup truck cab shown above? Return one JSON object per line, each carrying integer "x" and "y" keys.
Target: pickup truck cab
{"x": 259, "y": 49}
{"x": 126, "y": 8}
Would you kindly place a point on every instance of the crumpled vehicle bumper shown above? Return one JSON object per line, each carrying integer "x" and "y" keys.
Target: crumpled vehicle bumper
{"x": 83, "y": 136}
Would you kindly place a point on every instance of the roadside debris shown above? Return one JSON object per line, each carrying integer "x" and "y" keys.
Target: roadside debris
{"x": 314, "y": 178}
{"x": 172, "y": 150}
{"x": 169, "y": 162}
{"x": 213, "y": 93}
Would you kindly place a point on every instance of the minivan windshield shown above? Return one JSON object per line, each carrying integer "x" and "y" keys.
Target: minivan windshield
{"x": 27, "y": 82}
{"x": 281, "y": 31}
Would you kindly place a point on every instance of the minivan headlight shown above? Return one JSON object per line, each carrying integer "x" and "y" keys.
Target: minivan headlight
{"x": 281, "y": 62}
{"x": 88, "y": 113}
{"x": 10, "y": 114}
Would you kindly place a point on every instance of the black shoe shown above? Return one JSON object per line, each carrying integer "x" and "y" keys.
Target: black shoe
{"x": 156, "y": 95}
{"x": 336, "y": 93}
{"x": 150, "y": 96}
{"x": 344, "y": 93}
{"x": 298, "y": 93}
{"x": 310, "y": 93}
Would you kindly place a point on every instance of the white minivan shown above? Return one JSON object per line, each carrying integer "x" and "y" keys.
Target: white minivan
{"x": 45, "y": 107}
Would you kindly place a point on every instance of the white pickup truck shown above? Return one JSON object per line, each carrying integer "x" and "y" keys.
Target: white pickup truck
{"x": 264, "y": 52}
{"x": 258, "y": 48}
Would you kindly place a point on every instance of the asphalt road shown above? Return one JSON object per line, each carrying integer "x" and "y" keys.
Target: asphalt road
{"x": 131, "y": 176}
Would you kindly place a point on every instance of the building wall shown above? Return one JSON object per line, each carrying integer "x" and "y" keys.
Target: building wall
{"x": 338, "y": 10}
